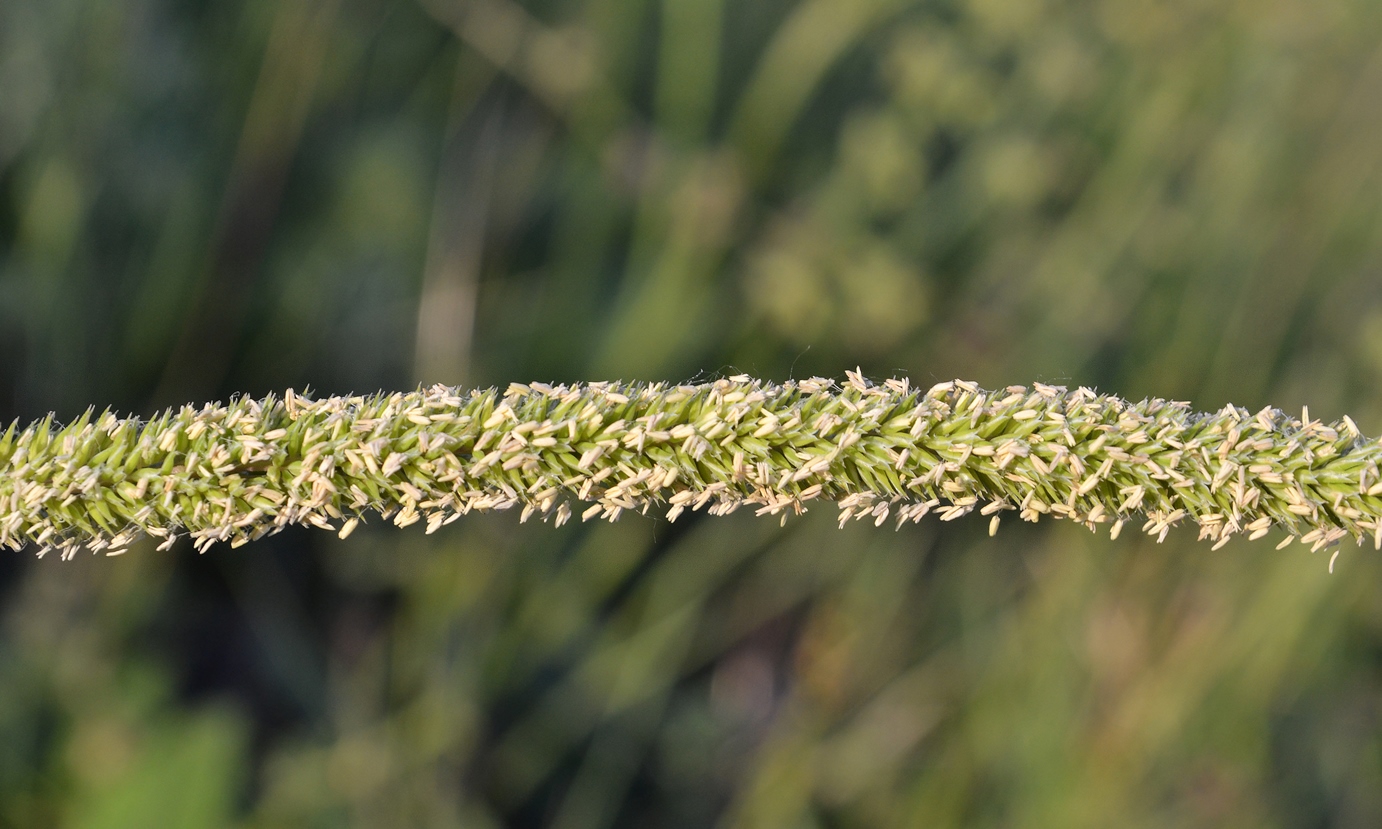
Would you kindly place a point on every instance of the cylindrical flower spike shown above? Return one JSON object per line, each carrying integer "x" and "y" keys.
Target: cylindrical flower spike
{"x": 244, "y": 470}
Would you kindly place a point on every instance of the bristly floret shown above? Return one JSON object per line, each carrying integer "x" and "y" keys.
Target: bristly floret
{"x": 247, "y": 469}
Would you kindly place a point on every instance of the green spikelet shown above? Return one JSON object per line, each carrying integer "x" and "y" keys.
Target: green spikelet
{"x": 241, "y": 471}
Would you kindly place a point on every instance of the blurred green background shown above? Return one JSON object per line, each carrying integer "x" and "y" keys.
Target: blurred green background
{"x": 1154, "y": 197}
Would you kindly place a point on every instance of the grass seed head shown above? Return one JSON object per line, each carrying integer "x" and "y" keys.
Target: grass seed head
{"x": 240, "y": 471}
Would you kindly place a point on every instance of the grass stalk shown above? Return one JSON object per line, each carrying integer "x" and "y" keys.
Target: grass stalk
{"x": 238, "y": 472}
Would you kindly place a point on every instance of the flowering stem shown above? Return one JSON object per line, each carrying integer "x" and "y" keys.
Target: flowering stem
{"x": 244, "y": 470}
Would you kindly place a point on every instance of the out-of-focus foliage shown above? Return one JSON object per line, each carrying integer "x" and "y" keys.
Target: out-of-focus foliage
{"x": 1169, "y": 198}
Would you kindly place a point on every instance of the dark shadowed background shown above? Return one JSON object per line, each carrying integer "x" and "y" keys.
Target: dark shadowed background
{"x": 1177, "y": 198}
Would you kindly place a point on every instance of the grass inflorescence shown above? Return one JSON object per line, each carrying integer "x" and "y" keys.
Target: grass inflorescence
{"x": 241, "y": 471}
